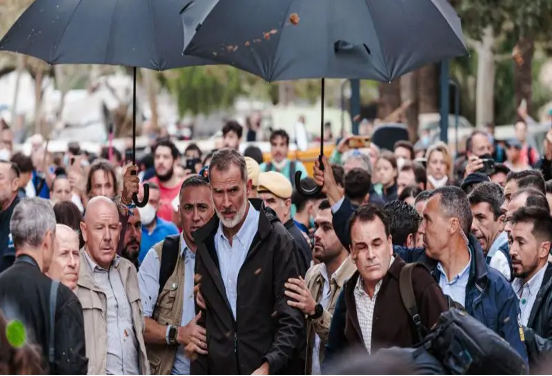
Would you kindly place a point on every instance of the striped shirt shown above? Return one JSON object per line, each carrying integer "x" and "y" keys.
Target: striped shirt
{"x": 232, "y": 257}
{"x": 122, "y": 344}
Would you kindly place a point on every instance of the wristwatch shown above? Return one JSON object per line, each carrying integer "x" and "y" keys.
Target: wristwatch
{"x": 318, "y": 311}
{"x": 173, "y": 330}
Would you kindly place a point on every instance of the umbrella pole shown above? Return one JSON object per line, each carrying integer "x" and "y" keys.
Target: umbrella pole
{"x": 145, "y": 199}
{"x": 323, "y": 91}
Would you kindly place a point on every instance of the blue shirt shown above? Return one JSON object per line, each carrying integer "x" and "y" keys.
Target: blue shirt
{"x": 160, "y": 232}
{"x": 44, "y": 191}
{"x": 232, "y": 257}
{"x": 456, "y": 287}
{"x": 148, "y": 281}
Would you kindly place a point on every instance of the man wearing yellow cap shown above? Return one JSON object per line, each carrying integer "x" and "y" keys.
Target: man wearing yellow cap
{"x": 253, "y": 171}
{"x": 275, "y": 190}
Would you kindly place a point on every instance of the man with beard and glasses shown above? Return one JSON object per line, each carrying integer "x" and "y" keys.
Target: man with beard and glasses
{"x": 250, "y": 327}
{"x": 133, "y": 237}
{"x": 165, "y": 159}
{"x": 316, "y": 296}
{"x": 532, "y": 237}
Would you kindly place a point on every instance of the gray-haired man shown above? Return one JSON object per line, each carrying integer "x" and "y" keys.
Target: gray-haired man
{"x": 55, "y": 324}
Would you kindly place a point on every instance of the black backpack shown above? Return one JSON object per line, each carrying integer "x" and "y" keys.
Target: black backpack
{"x": 467, "y": 347}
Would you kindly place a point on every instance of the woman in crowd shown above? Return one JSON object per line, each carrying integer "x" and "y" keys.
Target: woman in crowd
{"x": 386, "y": 167}
{"x": 439, "y": 166}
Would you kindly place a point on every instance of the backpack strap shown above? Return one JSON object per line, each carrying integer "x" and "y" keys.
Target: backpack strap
{"x": 169, "y": 257}
{"x": 268, "y": 167}
{"x": 52, "y": 343}
{"x": 408, "y": 298}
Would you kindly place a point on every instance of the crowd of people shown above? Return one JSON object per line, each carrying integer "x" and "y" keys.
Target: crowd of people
{"x": 230, "y": 269}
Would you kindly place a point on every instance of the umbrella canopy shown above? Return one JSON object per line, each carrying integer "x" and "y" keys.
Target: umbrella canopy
{"x": 136, "y": 33}
{"x": 293, "y": 39}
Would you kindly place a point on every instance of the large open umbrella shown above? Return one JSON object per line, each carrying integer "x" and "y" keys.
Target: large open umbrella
{"x": 134, "y": 33}
{"x": 292, "y": 39}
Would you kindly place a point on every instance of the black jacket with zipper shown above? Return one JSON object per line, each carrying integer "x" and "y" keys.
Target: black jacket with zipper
{"x": 266, "y": 328}
{"x": 538, "y": 332}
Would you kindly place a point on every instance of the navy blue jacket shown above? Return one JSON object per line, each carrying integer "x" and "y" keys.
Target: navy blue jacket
{"x": 489, "y": 296}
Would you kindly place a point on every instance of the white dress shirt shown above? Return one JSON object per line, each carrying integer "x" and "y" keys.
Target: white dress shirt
{"x": 527, "y": 293}
{"x": 232, "y": 257}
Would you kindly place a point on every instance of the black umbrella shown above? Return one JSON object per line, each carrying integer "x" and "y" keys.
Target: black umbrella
{"x": 135, "y": 33}
{"x": 291, "y": 39}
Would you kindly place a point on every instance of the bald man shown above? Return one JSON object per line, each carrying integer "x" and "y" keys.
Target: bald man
{"x": 65, "y": 262}
{"x": 110, "y": 297}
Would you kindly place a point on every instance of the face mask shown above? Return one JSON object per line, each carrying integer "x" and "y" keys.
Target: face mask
{"x": 147, "y": 214}
{"x": 400, "y": 163}
{"x": 5, "y": 154}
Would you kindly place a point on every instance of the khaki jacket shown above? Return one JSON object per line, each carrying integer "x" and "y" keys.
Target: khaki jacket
{"x": 321, "y": 326}
{"x": 94, "y": 306}
{"x": 167, "y": 311}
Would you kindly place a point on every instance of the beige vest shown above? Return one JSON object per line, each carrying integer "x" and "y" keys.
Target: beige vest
{"x": 167, "y": 311}
{"x": 94, "y": 308}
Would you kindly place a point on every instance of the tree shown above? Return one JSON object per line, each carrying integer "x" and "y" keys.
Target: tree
{"x": 390, "y": 98}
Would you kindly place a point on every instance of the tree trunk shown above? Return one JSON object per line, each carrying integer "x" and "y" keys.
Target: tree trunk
{"x": 151, "y": 88}
{"x": 428, "y": 94}
{"x": 484, "y": 102}
{"x": 285, "y": 93}
{"x": 20, "y": 67}
{"x": 389, "y": 98}
{"x": 523, "y": 71}
{"x": 409, "y": 91}
{"x": 38, "y": 100}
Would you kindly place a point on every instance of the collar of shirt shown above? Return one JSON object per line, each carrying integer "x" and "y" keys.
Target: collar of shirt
{"x": 249, "y": 221}
{"x": 465, "y": 273}
{"x": 359, "y": 288}
{"x": 185, "y": 251}
{"x": 499, "y": 241}
{"x": 337, "y": 275}
{"x": 95, "y": 267}
{"x": 533, "y": 285}
{"x": 301, "y": 226}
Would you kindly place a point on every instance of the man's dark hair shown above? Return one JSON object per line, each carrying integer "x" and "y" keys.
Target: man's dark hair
{"x": 419, "y": 171}
{"x": 168, "y": 144}
{"x": 500, "y": 168}
{"x": 403, "y": 221}
{"x": 368, "y": 213}
{"x": 299, "y": 200}
{"x": 490, "y": 193}
{"x": 454, "y": 203}
{"x": 193, "y": 147}
{"x": 533, "y": 181}
{"x": 534, "y": 198}
{"x": 68, "y": 214}
{"x": 23, "y": 162}
{"x": 279, "y": 133}
{"x": 357, "y": 184}
{"x": 410, "y": 191}
{"x": 339, "y": 175}
{"x": 224, "y": 158}
{"x": 423, "y": 196}
{"x": 105, "y": 166}
{"x": 548, "y": 186}
{"x": 13, "y": 168}
{"x": 104, "y": 153}
{"x": 255, "y": 153}
{"x": 194, "y": 181}
{"x": 540, "y": 219}
{"x": 407, "y": 145}
{"x": 469, "y": 141}
{"x": 518, "y": 175}
{"x": 232, "y": 126}
{"x": 74, "y": 148}
{"x": 324, "y": 204}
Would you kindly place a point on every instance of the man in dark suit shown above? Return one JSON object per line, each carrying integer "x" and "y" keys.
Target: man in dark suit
{"x": 52, "y": 316}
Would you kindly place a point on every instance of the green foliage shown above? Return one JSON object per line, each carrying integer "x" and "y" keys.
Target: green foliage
{"x": 201, "y": 90}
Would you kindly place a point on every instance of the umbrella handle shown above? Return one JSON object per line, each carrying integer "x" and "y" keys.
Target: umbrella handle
{"x": 301, "y": 189}
{"x": 144, "y": 202}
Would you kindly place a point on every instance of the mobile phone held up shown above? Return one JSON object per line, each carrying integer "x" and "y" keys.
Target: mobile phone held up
{"x": 359, "y": 142}
{"x": 191, "y": 164}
